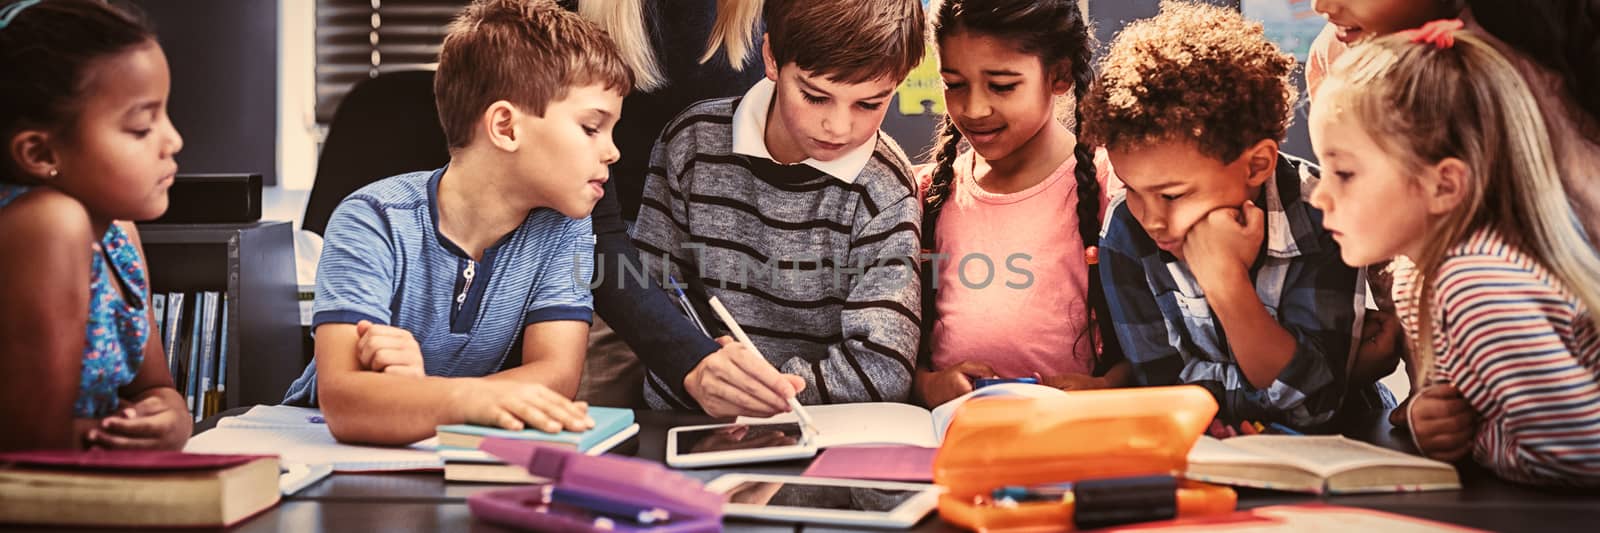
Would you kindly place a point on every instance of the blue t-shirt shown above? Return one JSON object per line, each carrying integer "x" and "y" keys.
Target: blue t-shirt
{"x": 384, "y": 260}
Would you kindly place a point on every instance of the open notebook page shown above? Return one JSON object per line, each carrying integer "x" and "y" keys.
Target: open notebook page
{"x": 864, "y": 423}
{"x": 1325, "y": 455}
{"x": 290, "y": 433}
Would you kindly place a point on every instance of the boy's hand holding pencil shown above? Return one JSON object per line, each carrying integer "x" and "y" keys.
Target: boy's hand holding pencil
{"x": 737, "y": 380}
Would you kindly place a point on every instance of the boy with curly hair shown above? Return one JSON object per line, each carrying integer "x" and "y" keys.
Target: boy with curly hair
{"x": 1215, "y": 265}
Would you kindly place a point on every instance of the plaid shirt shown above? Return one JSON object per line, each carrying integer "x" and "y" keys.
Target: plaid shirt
{"x": 1172, "y": 337}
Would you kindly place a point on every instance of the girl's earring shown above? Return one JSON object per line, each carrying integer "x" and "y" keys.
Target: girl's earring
{"x": 54, "y": 173}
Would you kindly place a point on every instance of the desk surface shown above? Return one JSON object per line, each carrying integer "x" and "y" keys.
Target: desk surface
{"x": 425, "y": 502}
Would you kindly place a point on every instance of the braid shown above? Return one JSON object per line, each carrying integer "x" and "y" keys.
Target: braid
{"x": 1089, "y": 191}
{"x": 938, "y": 192}
{"x": 943, "y": 174}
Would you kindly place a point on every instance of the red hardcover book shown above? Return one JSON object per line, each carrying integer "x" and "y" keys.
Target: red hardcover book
{"x": 128, "y": 488}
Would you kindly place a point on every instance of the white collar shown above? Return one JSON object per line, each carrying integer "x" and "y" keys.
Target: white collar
{"x": 750, "y": 128}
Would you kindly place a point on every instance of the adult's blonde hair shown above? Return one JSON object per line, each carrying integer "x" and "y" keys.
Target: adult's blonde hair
{"x": 733, "y": 31}
{"x": 1424, "y": 104}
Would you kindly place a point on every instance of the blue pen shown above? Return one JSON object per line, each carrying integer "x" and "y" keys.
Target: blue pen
{"x": 641, "y": 514}
{"x": 1280, "y": 428}
{"x": 1012, "y": 495}
{"x": 683, "y": 300}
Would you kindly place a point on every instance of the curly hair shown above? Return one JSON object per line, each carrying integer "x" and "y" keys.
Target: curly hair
{"x": 1195, "y": 73}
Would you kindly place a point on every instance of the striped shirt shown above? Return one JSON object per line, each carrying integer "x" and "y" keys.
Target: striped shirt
{"x": 819, "y": 270}
{"x": 384, "y": 260}
{"x": 1169, "y": 333}
{"x": 1524, "y": 353}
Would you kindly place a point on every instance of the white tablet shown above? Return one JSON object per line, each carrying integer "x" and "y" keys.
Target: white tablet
{"x": 728, "y": 444}
{"x": 845, "y": 502}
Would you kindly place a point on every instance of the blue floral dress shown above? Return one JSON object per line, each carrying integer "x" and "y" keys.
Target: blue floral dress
{"x": 118, "y": 325}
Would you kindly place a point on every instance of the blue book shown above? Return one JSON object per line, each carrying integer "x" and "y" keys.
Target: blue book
{"x": 607, "y": 422}
{"x": 222, "y": 354}
{"x": 208, "y": 354}
{"x": 192, "y": 376}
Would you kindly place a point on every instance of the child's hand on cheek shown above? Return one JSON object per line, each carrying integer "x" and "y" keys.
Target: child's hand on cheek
{"x": 150, "y": 424}
{"x": 1224, "y": 243}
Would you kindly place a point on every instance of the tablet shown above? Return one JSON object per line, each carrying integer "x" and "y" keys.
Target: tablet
{"x": 729, "y": 444}
{"x": 845, "y": 502}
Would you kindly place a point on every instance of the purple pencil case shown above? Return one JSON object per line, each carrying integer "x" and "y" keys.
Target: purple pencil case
{"x": 621, "y": 479}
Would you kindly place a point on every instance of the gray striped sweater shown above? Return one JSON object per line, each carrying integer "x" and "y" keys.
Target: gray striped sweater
{"x": 821, "y": 274}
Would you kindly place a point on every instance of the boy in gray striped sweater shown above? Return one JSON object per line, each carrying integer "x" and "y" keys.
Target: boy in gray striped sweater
{"x": 789, "y": 206}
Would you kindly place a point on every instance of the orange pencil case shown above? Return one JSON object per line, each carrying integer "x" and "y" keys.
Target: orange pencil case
{"x": 1083, "y": 438}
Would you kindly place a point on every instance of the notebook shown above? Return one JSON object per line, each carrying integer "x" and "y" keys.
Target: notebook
{"x": 894, "y": 423}
{"x": 608, "y": 421}
{"x": 1315, "y": 464}
{"x": 881, "y": 463}
{"x": 127, "y": 488}
{"x": 297, "y": 435}
{"x": 478, "y": 466}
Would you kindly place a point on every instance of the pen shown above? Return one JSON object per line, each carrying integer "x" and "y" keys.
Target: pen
{"x": 738, "y": 333}
{"x": 683, "y": 299}
{"x": 1280, "y": 428}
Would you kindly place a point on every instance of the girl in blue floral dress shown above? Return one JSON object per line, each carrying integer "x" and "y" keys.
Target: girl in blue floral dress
{"x": 88, "y": 147}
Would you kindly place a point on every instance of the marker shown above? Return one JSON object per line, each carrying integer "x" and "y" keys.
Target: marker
{"x": 738, "y": 333}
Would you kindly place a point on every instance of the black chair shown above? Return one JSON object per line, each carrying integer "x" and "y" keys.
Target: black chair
{"x": 385, "y": 126}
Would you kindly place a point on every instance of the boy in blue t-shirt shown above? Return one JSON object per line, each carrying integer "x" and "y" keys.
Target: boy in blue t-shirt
{"x": 430, "y": 282}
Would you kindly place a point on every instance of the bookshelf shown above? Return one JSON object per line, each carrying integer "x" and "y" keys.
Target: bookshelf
{"x": 253, "y": 265}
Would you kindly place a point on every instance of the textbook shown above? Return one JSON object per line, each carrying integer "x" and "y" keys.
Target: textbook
{"x": 128, "y": 488}
{"x": 478, "y": 466}
{"x": 463, "y": 461}
{"x": 608, "y": 421}
{"x": 1316, "y": 464}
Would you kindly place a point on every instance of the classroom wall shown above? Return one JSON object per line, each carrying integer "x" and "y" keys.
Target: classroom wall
{"x": 915, "y": 133}
{"x": 224, "y": 61}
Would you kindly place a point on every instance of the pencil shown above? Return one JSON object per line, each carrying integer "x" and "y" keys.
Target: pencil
{"x": 738, "y": 333}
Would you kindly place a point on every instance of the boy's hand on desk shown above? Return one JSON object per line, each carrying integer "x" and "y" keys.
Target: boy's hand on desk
{"x": 941, "y": 386}
{"x": 735, "y": 381}
{"x": 388, "y": 349}
{"x": 516, "y": 406}
{"x": 1442, "y": 422}
{"x": 150, "y": 424}
{"x": 1225, "y": 242}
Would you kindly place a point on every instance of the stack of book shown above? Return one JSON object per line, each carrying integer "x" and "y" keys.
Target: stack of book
{"x": 193, "y": 328}
{"x": 463, "y": 461}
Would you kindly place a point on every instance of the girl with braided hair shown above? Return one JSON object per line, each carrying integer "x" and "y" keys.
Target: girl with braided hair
{"x": 1027, "y": 198}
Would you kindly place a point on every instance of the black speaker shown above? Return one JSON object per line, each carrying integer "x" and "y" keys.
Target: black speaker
{"x": 213, "y": 199}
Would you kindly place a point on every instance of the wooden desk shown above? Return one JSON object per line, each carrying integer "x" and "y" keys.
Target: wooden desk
{"x": 425, "y": 502}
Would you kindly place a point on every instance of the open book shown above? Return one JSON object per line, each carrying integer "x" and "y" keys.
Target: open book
{"x": 1315, "y": 464}
{"x": 894, "y": 423}
{"x": 298, "y": 436}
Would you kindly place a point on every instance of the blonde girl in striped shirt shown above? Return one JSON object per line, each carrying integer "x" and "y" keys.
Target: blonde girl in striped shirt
{"x": 1433, "y": 147}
